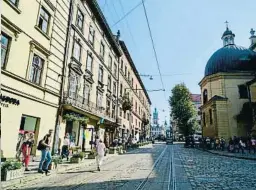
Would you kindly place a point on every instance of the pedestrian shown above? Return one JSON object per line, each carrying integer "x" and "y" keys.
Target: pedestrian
{"x": 65, "y": 147}
{"x": 101, "y": 148}
{"x": 19, "y": 144}
{"x": 26, "y": 147}
{"x": 45, "y": 147}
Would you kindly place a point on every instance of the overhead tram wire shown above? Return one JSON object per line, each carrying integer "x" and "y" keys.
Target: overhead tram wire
{"x": 153, "y": 44}
{"x": 129, "y": 12}
{"x": 127, "y": 23}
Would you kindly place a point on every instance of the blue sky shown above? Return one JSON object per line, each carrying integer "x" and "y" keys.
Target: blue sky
{"x": 186, "y": 34}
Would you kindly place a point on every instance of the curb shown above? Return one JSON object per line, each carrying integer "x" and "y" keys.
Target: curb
{"x": 226, "y": 155}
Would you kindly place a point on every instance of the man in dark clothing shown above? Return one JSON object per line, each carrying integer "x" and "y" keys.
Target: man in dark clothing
{"x": 46, "y": 153}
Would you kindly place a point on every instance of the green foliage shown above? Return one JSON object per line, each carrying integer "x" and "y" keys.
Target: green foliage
{"x": 10, "y": 165}
{"x": 182, "y": 108}
{"x": 127, "y": 104}
{"x": 75, "y": 117}
{"x": 57, "y": 160}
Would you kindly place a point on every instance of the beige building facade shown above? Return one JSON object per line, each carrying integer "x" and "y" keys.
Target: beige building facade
{"x": 91, "y": 77}
{"x": 224, "y": 91}
{"x": 33, "y": 35}
{"x": 136, "y": 122}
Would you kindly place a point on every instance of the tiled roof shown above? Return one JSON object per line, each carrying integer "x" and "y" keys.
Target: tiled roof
{"x": 196, "y": 97}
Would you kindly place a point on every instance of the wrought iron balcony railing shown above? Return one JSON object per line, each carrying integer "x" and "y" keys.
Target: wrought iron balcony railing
{"x": 85, "y": 104}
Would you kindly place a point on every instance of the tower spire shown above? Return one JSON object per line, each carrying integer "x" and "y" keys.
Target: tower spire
{"x": 226, "y": 25}
{"x": 228, "y": 36}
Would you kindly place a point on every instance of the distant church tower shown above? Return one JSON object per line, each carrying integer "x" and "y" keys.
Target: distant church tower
{"x": 155, "y": 117}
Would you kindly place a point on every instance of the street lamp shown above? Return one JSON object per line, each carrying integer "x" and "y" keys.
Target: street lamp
{"x": 150, "y": 76}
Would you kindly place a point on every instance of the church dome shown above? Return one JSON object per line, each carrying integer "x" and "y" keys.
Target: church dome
{"x": 231, "y": 58}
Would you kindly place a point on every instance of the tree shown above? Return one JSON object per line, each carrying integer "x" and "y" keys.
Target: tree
{"x": 182, "y": 109}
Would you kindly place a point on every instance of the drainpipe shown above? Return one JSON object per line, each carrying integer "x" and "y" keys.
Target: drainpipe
{"x": 65, "y": 60}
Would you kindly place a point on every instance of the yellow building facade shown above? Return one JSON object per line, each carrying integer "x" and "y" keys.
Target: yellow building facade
{"x": 224, "y": 90}
{"x": 33, "y": 35}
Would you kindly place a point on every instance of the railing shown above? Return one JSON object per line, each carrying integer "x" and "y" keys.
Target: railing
{"x": 85, "y": 104}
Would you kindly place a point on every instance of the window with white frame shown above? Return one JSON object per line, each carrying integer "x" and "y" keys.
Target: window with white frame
{"x": 108, "y": 107}
{"x": 121, "y": 89}
{"x": 114, "y": 87}
{"x": 109, "y": 83}
{"x": 115, "y": 69}
{"x": 36, "y": 69}
{"x": 113, "y": 110}
{"x": 99, "y": 100}
{"x": 102, "y": 50}
{"x": 80, "y": 19}
{"x": 44, "y": 20}
{"x": 110, "y": 62}
{"x": 91, "y": 35}
{"x": 100, "y": 77}
{"x": 73, "y": 85}
{"x": 87, "y": 91}
{"x": 14, "y": 2}
{"x": 5, "y": 43}
{"x": 89, "y": 62}
{"x": 125, "y": 71}
{"x": 77, "y": 51}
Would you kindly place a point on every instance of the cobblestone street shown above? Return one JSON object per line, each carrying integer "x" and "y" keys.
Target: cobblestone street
{"x": 151, "y": 167}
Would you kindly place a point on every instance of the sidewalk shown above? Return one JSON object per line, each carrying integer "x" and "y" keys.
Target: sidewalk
{"x": 34, "y": 175}
{"x": 246, "y": 155}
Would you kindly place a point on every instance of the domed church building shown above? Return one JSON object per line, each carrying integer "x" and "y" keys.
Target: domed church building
{"x": 225, "y": 89}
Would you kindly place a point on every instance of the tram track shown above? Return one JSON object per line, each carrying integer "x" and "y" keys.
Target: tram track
{"x": 171, "y": 171}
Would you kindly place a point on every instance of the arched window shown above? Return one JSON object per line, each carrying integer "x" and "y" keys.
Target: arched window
{"x": 205, "y": 96}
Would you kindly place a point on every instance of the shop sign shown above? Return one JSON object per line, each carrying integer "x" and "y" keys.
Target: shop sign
{"x": 5, "y": 100}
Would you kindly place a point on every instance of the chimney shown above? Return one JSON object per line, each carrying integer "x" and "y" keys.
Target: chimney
{"x": 253, "y": 37}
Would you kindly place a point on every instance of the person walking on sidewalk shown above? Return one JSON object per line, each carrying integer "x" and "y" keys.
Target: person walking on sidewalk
{"x": 26, "y": 149}
{"x": 46, "y": 153}
{"x": 101, "y": 148}
{"x": 65, "y": 147}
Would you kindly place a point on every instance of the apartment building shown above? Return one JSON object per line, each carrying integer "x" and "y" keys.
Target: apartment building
{"x": 134, "y": 122}
{"x": 91, "y": 78}
{"x": 33, "y": 35}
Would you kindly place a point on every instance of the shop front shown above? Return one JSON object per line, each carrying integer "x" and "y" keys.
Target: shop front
{"x": 21, "y": 114}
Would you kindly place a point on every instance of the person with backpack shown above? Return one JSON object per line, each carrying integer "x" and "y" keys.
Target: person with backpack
{"x": 45, "y": 147}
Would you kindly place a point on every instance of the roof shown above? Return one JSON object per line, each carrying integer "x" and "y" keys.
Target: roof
{"x": 195, "y": 97}
{"x": 93, "y": 5}
{"x": 231, "y": 58}
{"x": 127, "y": 54}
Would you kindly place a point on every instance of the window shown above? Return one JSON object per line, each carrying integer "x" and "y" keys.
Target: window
{"x": 113, "y": 110}
{"x": 44, "y": 19}
{"x": 121, "y": 89}
{"x": 205, "y": 96}
{"x": 91, "y": 35}
{"x": 204, "y": 122}
{"x": 36, "y": 69}
{"x": 109, "y": 83}
{"x": 5, "y": 42}
{"x": 89, "y": 62}
{"x": 114, "y": 88}
{"x": 108, "y": 108}
{"x": 125, "y": 71}
{"x": 136, "y": 107}
{"x": 80, "y": 20}
{"x": 102, "y": 50}
{"x": 99, "y": 100}
{"x": 128, "y": 75}
{"x": 243, "y": 92}
{"x": 122, "y": 65}
{"x": 86, "y": 93}
{"x": 100, "y": 74}
{"x": 77, "y": 51}
{"x": 14, "y": 2}
{"x": 132, "y": 82}
{"x": 115, "y": 69}
{"x": 110, "y": 62}
{"x": 120, "y": 112}
{"x": 128, "y": 116}
{"x": 73, "y": 85}
{"x": 210, "y": 114}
